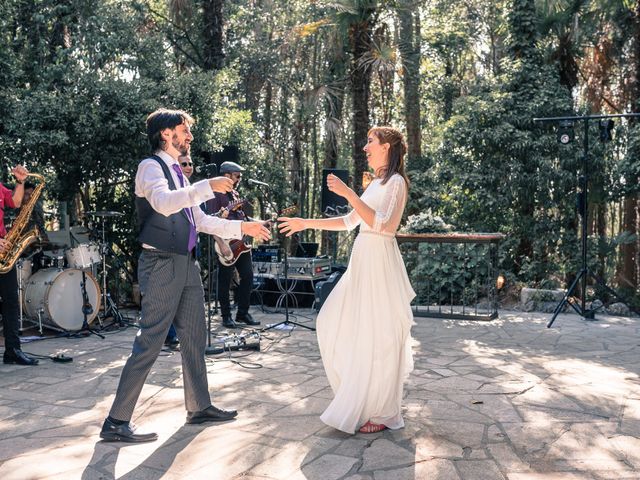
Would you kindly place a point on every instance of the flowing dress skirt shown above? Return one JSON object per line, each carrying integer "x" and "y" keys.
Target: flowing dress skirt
{"x": 364, "y": 336}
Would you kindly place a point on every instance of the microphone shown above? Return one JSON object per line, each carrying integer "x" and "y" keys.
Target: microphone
{"x": 206, "y": 168}
{"x": 258, "y": 182}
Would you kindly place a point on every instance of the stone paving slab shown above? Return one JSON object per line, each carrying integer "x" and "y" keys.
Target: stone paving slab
{"x": 507, "y": 399}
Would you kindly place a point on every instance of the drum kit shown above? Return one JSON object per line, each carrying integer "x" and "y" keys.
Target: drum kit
{"x": 58, "y": 286}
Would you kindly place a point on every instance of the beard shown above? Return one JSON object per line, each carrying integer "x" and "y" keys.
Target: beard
{"x": 182, "y": 147}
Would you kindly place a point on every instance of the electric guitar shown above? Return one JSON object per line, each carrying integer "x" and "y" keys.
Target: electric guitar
{"x": 232, "y": 207}
{"x": 235, "y": 248}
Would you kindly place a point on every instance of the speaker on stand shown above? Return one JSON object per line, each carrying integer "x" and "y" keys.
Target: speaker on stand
{"x": 333, "y": 205}
{"x": 229, "y": 153}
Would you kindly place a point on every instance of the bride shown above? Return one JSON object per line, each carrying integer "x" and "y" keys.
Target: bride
{"x": 364, "y": 325}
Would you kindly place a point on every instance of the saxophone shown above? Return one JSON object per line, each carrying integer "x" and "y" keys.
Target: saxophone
{"x": 18, "y": 240}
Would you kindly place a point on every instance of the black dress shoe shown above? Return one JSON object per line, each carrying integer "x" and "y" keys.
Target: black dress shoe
{"x": 246, "y": 318}
{"x": 15, "y": 355}
{"x": 124, "y": 433}
{"x": 210, "y": 414}
{"x": 229, "y": 323}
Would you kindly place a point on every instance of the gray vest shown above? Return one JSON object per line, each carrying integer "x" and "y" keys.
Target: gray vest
{"x": 170, "y": 234}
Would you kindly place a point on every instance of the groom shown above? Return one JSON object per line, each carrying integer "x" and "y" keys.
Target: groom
{"x": 169, "y": 275}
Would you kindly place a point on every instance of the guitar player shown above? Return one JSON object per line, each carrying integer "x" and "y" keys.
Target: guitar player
{"x": 243, "y": 262}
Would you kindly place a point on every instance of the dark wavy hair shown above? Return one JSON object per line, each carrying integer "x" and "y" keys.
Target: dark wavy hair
{"x": 161, "y": 119}
{"x": 397, "y": 152}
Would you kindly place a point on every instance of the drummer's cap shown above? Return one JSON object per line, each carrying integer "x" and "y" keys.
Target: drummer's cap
{"x": 161, "y": 119}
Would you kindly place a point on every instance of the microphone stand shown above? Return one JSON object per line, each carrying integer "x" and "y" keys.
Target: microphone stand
{"x": 86, "y": 307}
{"x": 284, "y": 242}
{"x": 210, "y": 349}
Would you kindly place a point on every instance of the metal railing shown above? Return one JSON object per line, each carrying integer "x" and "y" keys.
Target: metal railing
{"x": 454, "y": 274}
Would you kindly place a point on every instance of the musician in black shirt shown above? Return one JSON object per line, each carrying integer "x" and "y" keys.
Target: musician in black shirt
{"x": 229, "y": 206}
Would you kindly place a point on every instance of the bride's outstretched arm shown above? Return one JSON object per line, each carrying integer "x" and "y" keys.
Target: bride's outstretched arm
{"x": 291, "y": 225}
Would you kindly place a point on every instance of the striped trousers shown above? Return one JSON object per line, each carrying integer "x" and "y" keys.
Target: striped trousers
{"x": 171, "y": 292}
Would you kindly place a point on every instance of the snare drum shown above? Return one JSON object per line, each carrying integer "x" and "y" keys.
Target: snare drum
{"x": 83, "y": 256}
{"x": 57, "y": 297}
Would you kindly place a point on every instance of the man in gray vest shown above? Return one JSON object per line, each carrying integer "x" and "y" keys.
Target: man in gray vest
{"x": 169, "y": 275}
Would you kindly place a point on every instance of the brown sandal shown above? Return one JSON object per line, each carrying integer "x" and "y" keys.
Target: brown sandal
{"x": 371, "y": 427}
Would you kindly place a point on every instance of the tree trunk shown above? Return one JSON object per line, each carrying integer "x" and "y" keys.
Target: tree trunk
{"x": 34, "y": 33}
{"x": 212, "y": 34}
{"x": 385, "y": 76}
{"x": 297, "y": 133}
{"x": 602, "y": 238}
{"x": 60, "y": 35}
{"x": 268, "y": 99}
{"x": 253, "y": 83}
{"x": 627, "y": 268}
{"x": 360, "y": 36}
{"x": 448, "y": 91}
{"x": 334, "y": 104}
{"x": 334, "y": 108}
{"x": 409, "y": 47}
{"x": 627, "y": 271}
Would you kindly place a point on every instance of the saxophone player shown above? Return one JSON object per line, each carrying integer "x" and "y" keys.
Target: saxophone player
{"x": 9, "y": 281}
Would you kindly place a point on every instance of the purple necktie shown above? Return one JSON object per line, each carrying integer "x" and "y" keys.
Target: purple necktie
{"x": 192, "y": 230}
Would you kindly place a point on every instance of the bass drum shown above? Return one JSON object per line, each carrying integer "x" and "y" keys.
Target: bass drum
{"x": 58, "y": 297}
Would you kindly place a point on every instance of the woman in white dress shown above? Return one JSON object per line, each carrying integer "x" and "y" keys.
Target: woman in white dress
{"x": 364, "y": 325}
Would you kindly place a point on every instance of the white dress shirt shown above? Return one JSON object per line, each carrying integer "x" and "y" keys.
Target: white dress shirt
{"x": 153, "y": 185}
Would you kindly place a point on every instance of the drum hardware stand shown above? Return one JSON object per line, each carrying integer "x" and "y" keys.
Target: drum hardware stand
{"x": 21, "y": 288}
{"x": 40, "y": 312}
{"x": 109, "y": 307}
{"x": 20, "y": 294}
{"x": 87, "y": 309}
{"x": 213, "y": 263}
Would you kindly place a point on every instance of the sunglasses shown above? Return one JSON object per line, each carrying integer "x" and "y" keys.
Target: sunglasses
{"x": 187, "y": 164}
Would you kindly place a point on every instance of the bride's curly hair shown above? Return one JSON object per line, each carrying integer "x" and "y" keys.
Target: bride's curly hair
{"x": 397, "y": 152}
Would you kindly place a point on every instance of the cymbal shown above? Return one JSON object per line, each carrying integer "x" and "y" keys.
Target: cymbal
{"x": 105, "y": 213}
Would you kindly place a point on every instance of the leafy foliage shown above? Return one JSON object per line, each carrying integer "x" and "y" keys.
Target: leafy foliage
{"x": 294, "y": 83}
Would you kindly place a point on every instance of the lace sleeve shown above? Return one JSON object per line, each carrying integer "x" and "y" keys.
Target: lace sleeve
{"x": 388, "y": 216}
{"x": 351, "y": 220}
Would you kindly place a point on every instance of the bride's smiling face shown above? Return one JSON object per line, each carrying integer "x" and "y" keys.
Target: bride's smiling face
{"x": 377, "y": 153}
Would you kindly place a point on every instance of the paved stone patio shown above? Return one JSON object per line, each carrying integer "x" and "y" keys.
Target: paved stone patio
{"x": 507, "y": 399}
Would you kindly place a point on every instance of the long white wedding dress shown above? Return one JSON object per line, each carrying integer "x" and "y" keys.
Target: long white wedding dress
{"x": 364, "y": 325}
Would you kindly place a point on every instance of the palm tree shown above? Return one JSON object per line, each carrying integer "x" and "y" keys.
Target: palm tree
{"x": 357, "y": 18}
{"x": 409, "y": 47}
